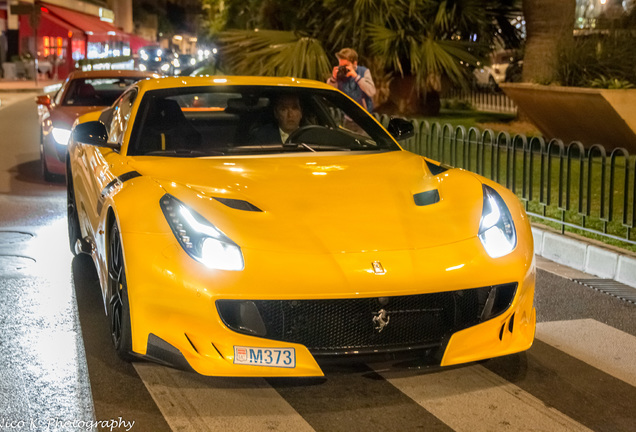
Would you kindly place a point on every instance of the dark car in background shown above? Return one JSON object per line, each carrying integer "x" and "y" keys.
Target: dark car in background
{"x": 156, "y": 59}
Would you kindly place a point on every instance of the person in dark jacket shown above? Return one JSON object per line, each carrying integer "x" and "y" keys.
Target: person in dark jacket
{"x": 352, "y": 79}
{"x": 288, "y": 114}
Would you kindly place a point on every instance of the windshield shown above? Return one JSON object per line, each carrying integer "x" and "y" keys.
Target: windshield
{"x": 96, "y": 91}
{"x": 242, "y": 120}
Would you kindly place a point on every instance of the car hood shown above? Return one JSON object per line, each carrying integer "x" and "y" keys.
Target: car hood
{"x": 66, "y": 115}
{"x": 324, "y": 203}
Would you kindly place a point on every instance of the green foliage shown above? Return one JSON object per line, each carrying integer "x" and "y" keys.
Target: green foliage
{"x": 610, "y": 83}
{"x": 425, "y": 38}
{"x": 607, "y": 58}
{"x": 274, "y": 53}
{"x": 456, "y": 104}
{"x": 222, "y": 14}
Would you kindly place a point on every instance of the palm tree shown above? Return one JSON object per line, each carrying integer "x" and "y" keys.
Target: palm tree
{"x": 418, "y": 43}
{"x": 274, "y": 53}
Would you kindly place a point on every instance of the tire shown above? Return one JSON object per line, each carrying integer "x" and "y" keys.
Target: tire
{"x": 72, "y": 219}
{"x": 118, "y": 307}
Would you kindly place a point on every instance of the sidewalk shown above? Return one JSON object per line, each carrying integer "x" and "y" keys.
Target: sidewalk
{"x": 15, "y": 90}
{"x": 19, "y": 86}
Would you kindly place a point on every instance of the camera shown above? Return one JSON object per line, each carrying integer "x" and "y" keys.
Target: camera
{"x": 341, "y": 75}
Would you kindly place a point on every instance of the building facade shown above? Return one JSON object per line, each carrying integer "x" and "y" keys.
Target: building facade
{"x": 60, "y": 33}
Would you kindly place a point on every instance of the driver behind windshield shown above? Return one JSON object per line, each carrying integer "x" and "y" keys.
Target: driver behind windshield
{"x": 288, "y": 114}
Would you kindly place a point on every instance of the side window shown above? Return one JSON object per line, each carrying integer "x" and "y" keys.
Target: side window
{"x": 120, "y": 116}
{"x": 58, "y": 96}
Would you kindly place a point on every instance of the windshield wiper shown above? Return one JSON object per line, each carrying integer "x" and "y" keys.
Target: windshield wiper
{"x": 183, "y": 153}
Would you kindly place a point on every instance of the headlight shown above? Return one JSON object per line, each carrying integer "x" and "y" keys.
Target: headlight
{"x": 142, "y": 67}
{"x": 496, "y": 229}
{"x": 199, "y": 238}
{"x": 61, "y": 135}
{"x": 176, "y": 63}
{"x": 143, "y": 54}
{"x": 165, "y": 67}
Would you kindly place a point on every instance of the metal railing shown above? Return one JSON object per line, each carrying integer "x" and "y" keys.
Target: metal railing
{"x": 587, "y": 189}
{"x": 482, "y": 100}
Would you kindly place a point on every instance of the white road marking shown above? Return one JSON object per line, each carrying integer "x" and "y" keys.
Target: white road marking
{"x": 599, "y": 345}
{"x": 473, "y": 399}
{"x": 190, "y": 402}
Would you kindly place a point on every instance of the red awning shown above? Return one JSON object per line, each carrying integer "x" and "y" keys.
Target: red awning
{"x": 91, "y": 25}
{"x": 55, "y": 25}
{"x": 137, "y": 42}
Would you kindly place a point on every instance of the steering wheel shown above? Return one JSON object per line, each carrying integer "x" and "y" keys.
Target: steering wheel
{"x": 303, "y": 130}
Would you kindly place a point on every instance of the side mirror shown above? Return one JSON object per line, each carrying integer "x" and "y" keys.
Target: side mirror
{"x": 400, "y": 128}
{"x": 43, "y": 100}
{"x": 92, "y": 133}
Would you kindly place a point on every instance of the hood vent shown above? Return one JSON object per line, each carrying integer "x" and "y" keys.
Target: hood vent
{"x": 238, "y": 204}
{"x": 436, "y": 169}
{"x": 129, "y": 175}
{"x": 426, "y": 198}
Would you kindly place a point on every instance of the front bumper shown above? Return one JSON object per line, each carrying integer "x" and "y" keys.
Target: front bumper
{"x": 173, "y": 299}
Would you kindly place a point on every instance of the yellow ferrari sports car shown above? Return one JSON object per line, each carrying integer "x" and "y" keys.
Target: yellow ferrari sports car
{"x": 251, "y": 226}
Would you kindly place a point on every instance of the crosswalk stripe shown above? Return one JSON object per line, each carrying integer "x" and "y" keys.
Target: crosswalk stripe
{"x": 473, "y": 399}
{"x": 584, "y": 393}
{"x": 353, "y": 397}
{"x": 190, "y": 402}
{"x": 595, "y": 343}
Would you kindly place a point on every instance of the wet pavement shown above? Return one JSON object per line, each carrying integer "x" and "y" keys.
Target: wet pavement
{"x": 43, "y": 375}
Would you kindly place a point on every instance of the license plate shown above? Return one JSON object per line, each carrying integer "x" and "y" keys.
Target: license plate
{"x": 274, "y": 357}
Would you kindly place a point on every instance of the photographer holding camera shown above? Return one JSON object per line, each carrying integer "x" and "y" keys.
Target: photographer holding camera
{"x": 353, "y": 80}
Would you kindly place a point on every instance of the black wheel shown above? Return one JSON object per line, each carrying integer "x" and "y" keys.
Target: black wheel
{"x": 72, "y": 219}
{"x": 118, "y": 308}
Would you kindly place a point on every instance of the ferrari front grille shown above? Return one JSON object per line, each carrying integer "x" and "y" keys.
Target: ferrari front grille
{"x": 385, "y": 324}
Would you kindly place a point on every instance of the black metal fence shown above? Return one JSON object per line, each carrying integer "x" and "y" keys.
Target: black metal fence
{"x": 587, "y": 189}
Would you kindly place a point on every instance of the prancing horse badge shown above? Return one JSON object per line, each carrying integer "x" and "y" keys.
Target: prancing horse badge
{"x": 380, "y": 320}
{"x": 377, "y": 267}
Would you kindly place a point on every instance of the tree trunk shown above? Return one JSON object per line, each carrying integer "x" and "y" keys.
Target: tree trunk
{"x": 549, "y": 28}
{"x": 406, "y": 100}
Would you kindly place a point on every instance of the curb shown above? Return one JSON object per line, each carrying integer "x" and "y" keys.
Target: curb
{"x": 585, "y": 257}
{"x": 25, "y": 86}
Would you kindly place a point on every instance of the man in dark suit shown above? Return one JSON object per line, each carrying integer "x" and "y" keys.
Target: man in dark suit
{"x": 288, "y": 114}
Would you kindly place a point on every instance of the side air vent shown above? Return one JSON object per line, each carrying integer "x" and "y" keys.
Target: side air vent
{"x": 129, "y": 175}
{"x": 436, "y": 169}
{"x": 426, "y": 198}
{"x": 119, "y": 180}
{"x": 238, "y": 204}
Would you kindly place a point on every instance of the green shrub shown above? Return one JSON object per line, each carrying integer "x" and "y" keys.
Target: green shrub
{"x": 456, "y": 104}
{"x": 604, "y": 59}
{"x": 610, "y": 83}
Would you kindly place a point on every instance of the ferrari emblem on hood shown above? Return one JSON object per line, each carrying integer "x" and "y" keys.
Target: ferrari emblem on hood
{"x": 377, "y": 267}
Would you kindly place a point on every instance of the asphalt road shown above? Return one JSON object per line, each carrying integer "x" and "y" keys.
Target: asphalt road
{"x": 58, "y": 371}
